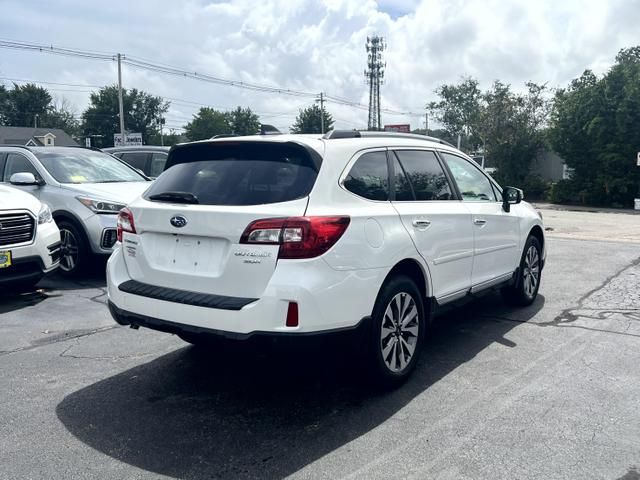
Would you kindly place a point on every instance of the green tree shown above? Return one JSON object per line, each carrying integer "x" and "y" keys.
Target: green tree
{"x": 141, "y": 111}
{"x": 60, "y": 115}
{"x": 507, "y": 127}
{"x": 511, "y": 129}
{"x": 458, "y": 110}
{"x": 168, "y": 138}
{"x": 4, "y": 105}
{"x": 595, "y": 127}
{"x": 207, "y": 123}
{"x": 309, "y": 120}
{"x": 243, "y": 121}
{"x": 23, "y": 104}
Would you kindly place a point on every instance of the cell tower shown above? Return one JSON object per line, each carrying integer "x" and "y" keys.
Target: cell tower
{"x": 375, "y": 77}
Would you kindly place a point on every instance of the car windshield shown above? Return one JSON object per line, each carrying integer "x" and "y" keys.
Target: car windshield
{"x": 86, "y": 166}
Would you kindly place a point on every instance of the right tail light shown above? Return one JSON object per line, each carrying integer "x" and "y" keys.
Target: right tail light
{"x": 298, "y": 237}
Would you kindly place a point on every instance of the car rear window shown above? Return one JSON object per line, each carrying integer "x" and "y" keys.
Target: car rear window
{"x": 238, "y": 173}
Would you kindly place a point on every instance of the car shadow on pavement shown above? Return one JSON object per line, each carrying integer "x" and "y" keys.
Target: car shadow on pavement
{"x": 254, "y": 414}
{"x": 92, "y": 277}
{"x": 12, "y": 301}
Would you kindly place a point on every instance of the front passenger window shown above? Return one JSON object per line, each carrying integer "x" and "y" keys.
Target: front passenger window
{"x": 473, "y": 185}
{"x": 17, "y": 163}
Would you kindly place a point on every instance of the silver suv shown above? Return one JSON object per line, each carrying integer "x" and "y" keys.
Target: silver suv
{"x": 85, "y": 189}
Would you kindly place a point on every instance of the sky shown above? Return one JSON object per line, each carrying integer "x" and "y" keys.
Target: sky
{"x": 313, "y": 46}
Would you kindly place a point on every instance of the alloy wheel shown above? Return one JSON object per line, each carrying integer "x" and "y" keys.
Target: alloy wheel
{"x": 531, "y": 271}
{"x": 68, "y": 250}
{"x": 399, "y": 332}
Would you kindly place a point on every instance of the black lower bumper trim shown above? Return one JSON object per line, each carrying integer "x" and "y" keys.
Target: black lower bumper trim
{"x": 124, "y": 317}
{"x": 22, "y": 270}
{"x": 183, "y": 296}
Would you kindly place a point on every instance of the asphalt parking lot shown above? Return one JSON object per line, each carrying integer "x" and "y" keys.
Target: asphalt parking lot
{"x": 550, "y": 391}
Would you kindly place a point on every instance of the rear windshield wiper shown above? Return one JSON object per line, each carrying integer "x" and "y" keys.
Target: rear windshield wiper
{"x": 176, "y": 197}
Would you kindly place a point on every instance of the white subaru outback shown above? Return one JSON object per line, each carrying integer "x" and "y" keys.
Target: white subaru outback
{"x": 306, "y": 234}
{"x": 29, "y": 239}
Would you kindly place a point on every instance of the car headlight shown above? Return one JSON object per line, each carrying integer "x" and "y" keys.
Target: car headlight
{"x": 44, "y": 215}
{"x": 101, "y": 206}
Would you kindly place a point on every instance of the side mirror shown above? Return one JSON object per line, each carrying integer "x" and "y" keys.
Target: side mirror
{"x": 23, "y": 178}
{"x": 511, "y": 196}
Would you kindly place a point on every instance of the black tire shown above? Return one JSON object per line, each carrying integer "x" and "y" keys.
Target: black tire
{"x": 521, "y": 293}
{"x": 74, "y": 251}
{"x": 381, "y": 355}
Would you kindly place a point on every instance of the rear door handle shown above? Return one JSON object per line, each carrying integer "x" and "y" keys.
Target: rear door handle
{"x": 479, "y": 221}
{"x": 421, "y": 224}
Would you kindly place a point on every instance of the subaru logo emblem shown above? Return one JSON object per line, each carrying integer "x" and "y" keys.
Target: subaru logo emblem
{"x": 178, "y": 221}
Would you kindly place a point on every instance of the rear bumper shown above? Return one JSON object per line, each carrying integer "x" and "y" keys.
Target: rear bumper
{"x": 328, "y": 301}
{"x": 123, "y": 317}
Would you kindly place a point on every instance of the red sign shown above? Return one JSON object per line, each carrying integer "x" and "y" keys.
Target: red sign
{"x": 403, "y": 127}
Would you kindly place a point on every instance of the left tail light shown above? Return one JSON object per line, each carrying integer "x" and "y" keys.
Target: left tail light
{"x": 125, "y": 223}
{"x": 298, "y": 237}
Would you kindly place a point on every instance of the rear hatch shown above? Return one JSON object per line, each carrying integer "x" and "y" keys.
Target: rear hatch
{"x": 189, "y": 223}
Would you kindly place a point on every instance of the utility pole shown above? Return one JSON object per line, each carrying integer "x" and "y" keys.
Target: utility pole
{"x": 321, "y": 100}
{"x": 375, "y": 77}
{"x": 426, "y": 123}
{"x": 120, "y": 104}
{"x": 161, "y": 122}
{"x": 35, "y": 120}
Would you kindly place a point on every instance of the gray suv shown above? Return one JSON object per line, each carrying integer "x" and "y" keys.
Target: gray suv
{"x": 85, "y": 189}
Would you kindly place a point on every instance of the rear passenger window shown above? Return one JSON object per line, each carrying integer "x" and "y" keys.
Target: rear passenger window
{"x": 136, "y": 159}
{"x": 158, "y": 159}
{"x": 369, "y": 177}
{"x": 425, "y": 175}
{"x": 401, "y": 185}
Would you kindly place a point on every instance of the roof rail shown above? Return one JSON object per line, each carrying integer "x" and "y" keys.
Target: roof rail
{"x": 224, "y": 135}
{"x": 14, "y": 145}
{"x": 381, "y": 134}
{"x": 266, "y": 129}
{"x": 95, "y": 149}
{"x": 333, "y": 134}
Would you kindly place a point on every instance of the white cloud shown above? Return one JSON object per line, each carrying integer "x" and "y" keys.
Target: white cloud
{"x": 315, "y": 46}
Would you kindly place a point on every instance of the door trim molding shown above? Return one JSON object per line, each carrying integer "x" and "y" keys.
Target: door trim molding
{"x": 492, "y": 282}
{"x": 482, "y": 251}
{"x": 453, "y": 257}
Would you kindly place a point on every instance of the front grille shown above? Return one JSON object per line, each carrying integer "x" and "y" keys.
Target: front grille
{"x": 109, "y": 238}
{"x": 16, "y": 228}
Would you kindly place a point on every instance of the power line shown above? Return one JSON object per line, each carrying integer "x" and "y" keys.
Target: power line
{"x": 173, "y": 100}
{"x": 141, "y": 63}
{"x": 66, "y": 52}
{"x": 24, "y": 80}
